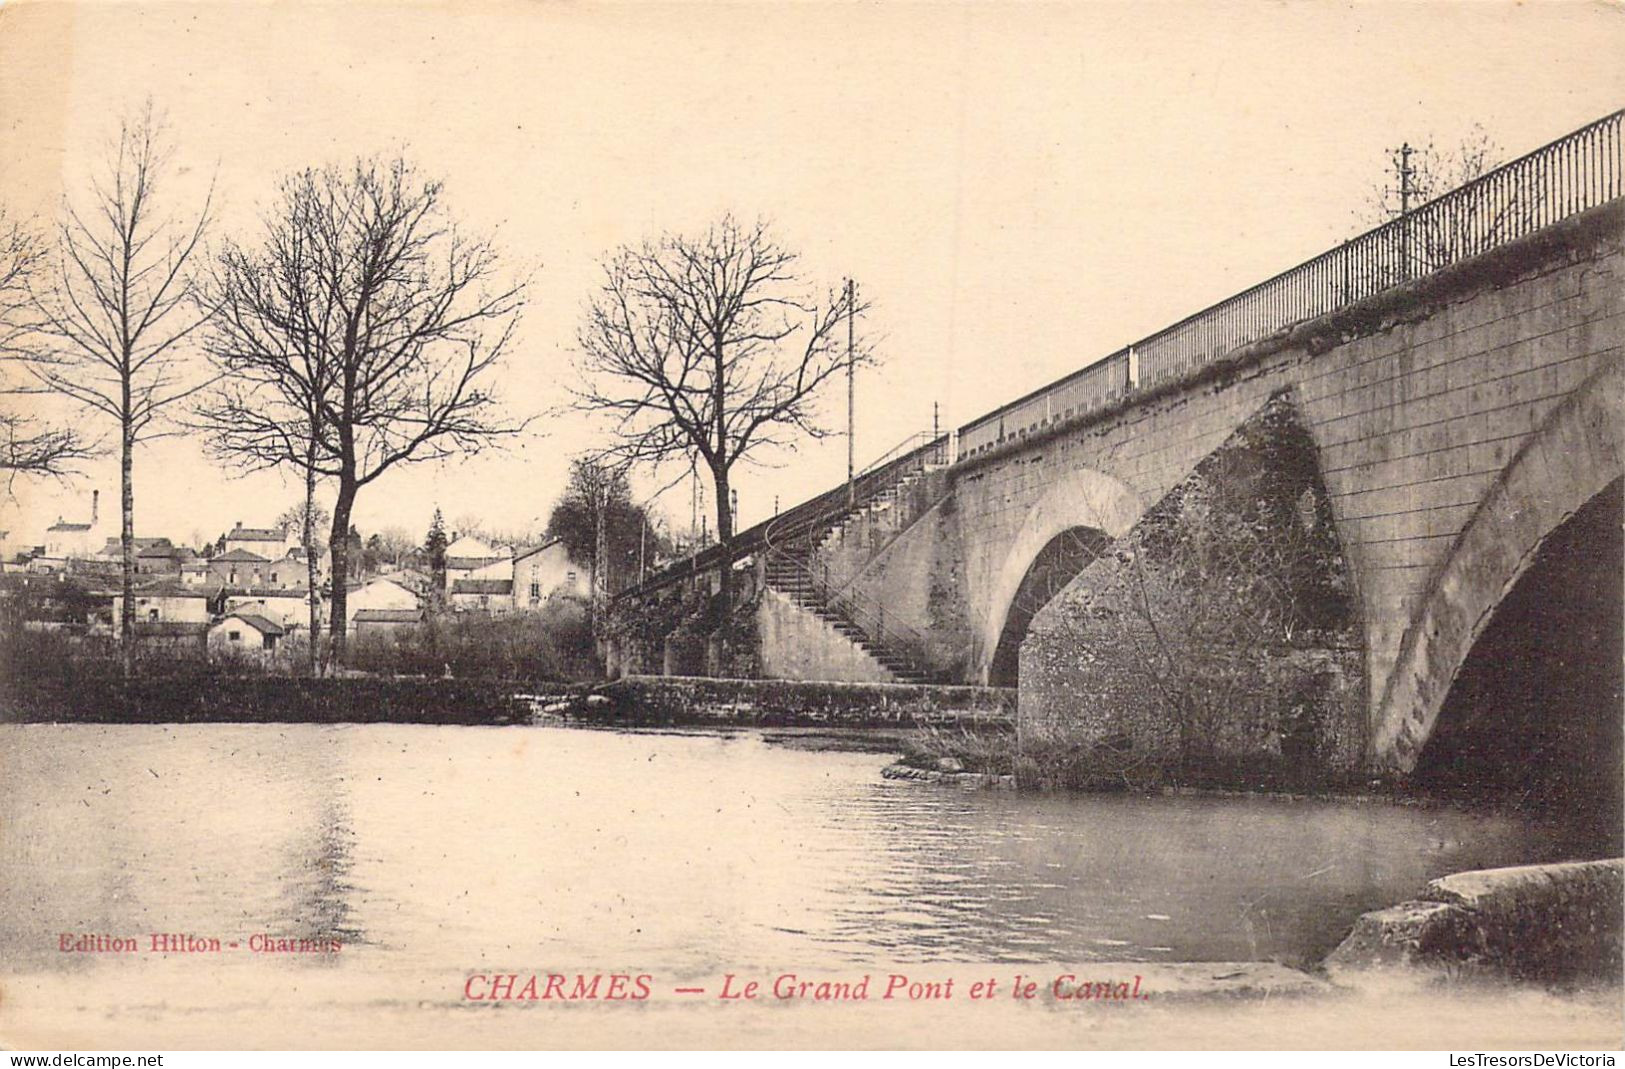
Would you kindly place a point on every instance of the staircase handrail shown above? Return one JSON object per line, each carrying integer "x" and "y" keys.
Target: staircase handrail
{"x": 819, "y": 509}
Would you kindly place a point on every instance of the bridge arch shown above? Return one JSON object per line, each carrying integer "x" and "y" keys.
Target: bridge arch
{"x": 1570, "y": 460}
{"x": 1083, "y": 509}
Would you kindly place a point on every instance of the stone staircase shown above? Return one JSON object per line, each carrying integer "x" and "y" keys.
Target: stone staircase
{"x": 792, "y": 569}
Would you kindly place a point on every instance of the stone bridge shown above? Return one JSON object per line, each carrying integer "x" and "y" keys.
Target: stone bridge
{"x": 1440, "y": 399}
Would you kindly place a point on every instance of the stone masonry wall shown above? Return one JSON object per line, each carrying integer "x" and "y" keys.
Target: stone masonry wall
{"x": 796, "y": 644}
{"x": 1218, "y": 637}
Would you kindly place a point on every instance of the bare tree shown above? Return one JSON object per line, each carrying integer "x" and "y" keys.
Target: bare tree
{"x": 1420, "y": 174}
{"x": 271, "y": 341}
{"x": 303, "y": 511}
{"x": 710, "y": 349}
{"x": 119, "y": 309}
{"x": 395, "y": 544}
{"x": 27, "y": 446}
{"x": 359, "y": 336}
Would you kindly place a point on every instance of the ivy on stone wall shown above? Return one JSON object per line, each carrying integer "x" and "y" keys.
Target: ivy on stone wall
{"x": 1221, "y": 629}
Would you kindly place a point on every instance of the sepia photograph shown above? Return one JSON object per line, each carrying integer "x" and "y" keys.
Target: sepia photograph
{"x": 1080, "y": 525}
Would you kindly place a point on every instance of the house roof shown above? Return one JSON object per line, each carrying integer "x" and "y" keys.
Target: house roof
{"x": 115, "y": 544}
{"x": 353, "y": 587}
{"x": 482, "y": 586}
{"x": 533, "y": 550}
{"x": 257, "y": 622}
{"x": 471, "y": 563}
{"x": 63, "y": 525}
{"x": 255, "y": 534}
{"x": 297, "y": 592}
{"x": 242, "y": 555}
{"x": 388, "y": 616}
{"x": 172, "y": 588}
{"x": 171, "y": 628}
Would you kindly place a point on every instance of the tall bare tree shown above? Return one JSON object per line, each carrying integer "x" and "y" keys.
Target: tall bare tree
{"x": 119, "y": 308}
{"x": 710, "y": 349}
{"x": 27, "y": 446}
{"x": 360, "y": 335}
{"x": 271, "y": 342}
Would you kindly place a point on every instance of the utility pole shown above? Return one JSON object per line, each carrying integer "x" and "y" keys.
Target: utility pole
{"x": 1402, "y": 164}
{"x": 1406, "y": 173}
{"x": 851, "y": 396}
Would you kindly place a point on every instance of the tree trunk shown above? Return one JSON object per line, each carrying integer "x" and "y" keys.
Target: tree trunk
{"x": 308, "y": 537}
{"x": 596, "y": 576}
{"x": 127, "y": 546}
{"x": 339, "y": 545}
{"x": 719, "y": 479}
{"x": 725, "y": 534}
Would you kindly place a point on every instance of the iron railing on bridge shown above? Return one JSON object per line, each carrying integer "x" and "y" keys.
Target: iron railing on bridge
{"x": 914, "y": 452}
{"x": 1568, "y": 176}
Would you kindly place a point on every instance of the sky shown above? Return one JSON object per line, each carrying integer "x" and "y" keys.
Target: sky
{"x": 1019, "y": 189}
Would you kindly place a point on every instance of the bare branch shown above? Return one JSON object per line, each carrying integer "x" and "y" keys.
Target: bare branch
{"x": 360, "y": 333}
{"x": 709, "y": 347}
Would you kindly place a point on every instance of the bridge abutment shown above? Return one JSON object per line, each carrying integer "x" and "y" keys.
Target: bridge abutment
{"x": 1217, "y": 639}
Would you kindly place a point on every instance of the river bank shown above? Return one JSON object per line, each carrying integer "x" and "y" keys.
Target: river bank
{"x": 202, "y": 692}
{"x": 205, "y": 696}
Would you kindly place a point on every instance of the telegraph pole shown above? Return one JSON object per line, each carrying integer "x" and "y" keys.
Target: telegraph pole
{"x": 851, "y": 396}
{"x": 1402, "y": 163}
{"x": 1406, "y": 173}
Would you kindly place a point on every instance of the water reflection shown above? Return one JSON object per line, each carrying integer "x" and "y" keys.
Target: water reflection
{"x": 316, "y": 884}
{"x": 438, "y": 849}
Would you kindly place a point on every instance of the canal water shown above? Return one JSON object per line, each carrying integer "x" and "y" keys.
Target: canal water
{"x": 434, "y": 853}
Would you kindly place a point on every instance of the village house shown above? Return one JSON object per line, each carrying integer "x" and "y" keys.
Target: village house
{"x": 470, "y": 558}
{"x": 245, "y": 633}
{"x": 374, "y": 623}
{"x": 289, "y": 572}
{"x": 412, "y": 579}
{"x": 481, "y": 595}
{"x": 67, "y": 540}
{"x": 268, "y": 543}
{"x": 546, "y": 571}
{"x": 163, "y": 602}
{"x": 239, "y": 568}
{"x": 167, "y": 613}
{"x": 289, "y": 608}
{"x": 153, "y": 556}
{"x": 378, "y": 594}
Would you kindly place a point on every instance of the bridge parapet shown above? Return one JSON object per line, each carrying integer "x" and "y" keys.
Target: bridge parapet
{"x": 1571, "y": 175}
